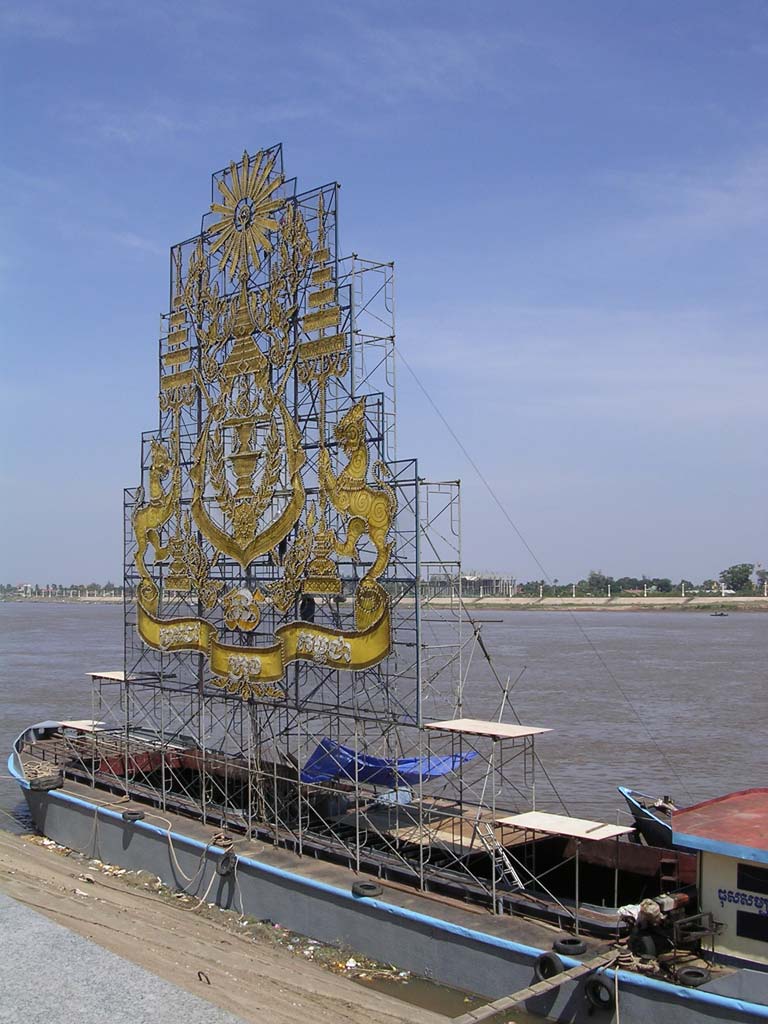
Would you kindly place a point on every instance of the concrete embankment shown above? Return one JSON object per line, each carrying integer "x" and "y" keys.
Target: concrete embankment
{"x": 82, "y": 943}
{"x": 48, "y": 973}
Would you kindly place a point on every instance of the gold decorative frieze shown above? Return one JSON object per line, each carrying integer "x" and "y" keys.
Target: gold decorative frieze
{"x": 330, "y": 317}
{"x": 177, "y": 380}
{"x": 177, "y": 357}
{"x": 323, "y": 297}
{"x": 327, "y": 345}
{"x": 321, "y": 276}
{"x": 325, "y": 650}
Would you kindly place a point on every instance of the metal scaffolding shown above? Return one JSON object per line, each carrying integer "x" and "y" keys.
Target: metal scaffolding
{"x": 297, "y": 331}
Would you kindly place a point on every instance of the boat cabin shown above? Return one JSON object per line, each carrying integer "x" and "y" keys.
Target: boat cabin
{"x": 730, "y": 835}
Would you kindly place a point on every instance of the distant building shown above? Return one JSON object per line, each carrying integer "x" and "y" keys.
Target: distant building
{"x": 488, "y": 585}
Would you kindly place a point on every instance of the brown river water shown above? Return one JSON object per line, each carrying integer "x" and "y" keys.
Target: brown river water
{"x": 660, "y": 701}
{"x": 665, "y": 702}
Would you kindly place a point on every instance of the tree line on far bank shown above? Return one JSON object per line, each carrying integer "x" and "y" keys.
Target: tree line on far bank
{"x": 743, "y": 579}
{"x": 107, "y": 589}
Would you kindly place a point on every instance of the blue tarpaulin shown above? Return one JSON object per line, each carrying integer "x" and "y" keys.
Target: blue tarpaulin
{"x": 332, "y": 760}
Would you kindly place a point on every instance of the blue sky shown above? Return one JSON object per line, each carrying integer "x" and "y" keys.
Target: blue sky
{"x": 576, "y": 198}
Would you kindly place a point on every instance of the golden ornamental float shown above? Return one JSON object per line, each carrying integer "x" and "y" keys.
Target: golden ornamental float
{"x": 263, "y": 529}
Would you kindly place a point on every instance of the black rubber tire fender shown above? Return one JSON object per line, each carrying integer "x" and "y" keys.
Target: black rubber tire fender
{"x": 692, "y": 977}
{"x": 367, "y": 889}
{"x": 569, "y": 945}
{"x": 600, "y": 992}
{"x": 643, "y": 945}
{"x": 226, "y": 864}
{"x": 133, "y": 815}
{"x": 547, "y": 966}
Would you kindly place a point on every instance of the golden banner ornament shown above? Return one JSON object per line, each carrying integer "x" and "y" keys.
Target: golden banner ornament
{"x": 253, "y": 671}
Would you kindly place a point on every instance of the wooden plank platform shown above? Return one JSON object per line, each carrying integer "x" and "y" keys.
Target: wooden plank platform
{"x": 538, "y": 989}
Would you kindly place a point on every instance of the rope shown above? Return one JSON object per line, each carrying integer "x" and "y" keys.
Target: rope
{"x": 505, "y": 695}
{"x": 172, "y": 850}
{"x": 478, "y": 641}
{"x": 545, "y": 575}
{"x": 204, "y": 898}
{"x": 219, "y": 839}
{"x": 16, "y": 821}
{"x": 93, "y": 839}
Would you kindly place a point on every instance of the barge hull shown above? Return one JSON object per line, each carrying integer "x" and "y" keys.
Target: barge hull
{"x": 455, "y": 948}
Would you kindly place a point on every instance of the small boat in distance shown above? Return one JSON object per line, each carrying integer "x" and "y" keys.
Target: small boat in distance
{"x": 653, "y": 816}
{"x": 719, "y": 615}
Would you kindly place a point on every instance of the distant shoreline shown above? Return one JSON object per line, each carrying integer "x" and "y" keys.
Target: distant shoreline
{"x": 610, "y": 604}
{"x": 525, "y": 604}
{"x": 61, "y": 600}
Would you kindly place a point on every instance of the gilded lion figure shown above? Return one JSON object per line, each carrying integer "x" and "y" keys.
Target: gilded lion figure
{"x": 371, "y": 507}
{"x": 149, "y": 518}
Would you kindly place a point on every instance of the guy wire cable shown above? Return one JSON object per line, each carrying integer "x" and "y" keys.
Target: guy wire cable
{"x": 544, "y": 572}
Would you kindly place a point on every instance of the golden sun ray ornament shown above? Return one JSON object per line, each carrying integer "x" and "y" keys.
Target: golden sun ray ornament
{"x": 246, "y": 214}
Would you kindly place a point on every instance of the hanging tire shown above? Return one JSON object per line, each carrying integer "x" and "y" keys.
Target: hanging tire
{"x": 226, "y": 864}
{"x": 367, "y": 889}
{"x": 569, "y": 945}
{"x": 692, "y": 977}
{"x": 690, "y": 935}
{"x": 643, "y": 945}
{"x": 547, "y": 966}
{"x": 600, "y": 992}
{"x": 133, "y": 815}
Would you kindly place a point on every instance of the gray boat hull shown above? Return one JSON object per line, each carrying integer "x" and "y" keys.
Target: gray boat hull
{"x": 426, "y": 945}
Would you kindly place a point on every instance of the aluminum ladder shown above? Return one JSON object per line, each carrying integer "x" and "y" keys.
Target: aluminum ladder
{"x": 500, "y": 859}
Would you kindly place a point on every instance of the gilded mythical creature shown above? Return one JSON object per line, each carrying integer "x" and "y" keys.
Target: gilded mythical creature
{"x": 371, "y": 507}
{"x": 149, "y": 518}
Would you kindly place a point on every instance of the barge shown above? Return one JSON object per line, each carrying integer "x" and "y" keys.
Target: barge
{"x": 286, "y": 736}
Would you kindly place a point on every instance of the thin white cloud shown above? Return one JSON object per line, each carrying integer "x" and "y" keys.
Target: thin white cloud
{"x": 132, "y": 124}
{"x": 35, "y": 20}
{"x": 432, "y": 62}
{"x": 705, "y": 201}
{"x": 129, "y": 124}
{"x": 676, "y": 363}
{"x": 133, "y": 241}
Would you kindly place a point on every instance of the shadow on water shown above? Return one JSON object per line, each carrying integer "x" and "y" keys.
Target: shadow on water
{"x": 427, "y": 995}
{"x": 16, "y": 819}
{"x": 450, "y": 1002}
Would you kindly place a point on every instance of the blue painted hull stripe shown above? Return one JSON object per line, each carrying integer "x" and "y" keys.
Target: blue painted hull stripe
{"x": 662, "y": 988}
{"x": 717, "y": 846}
